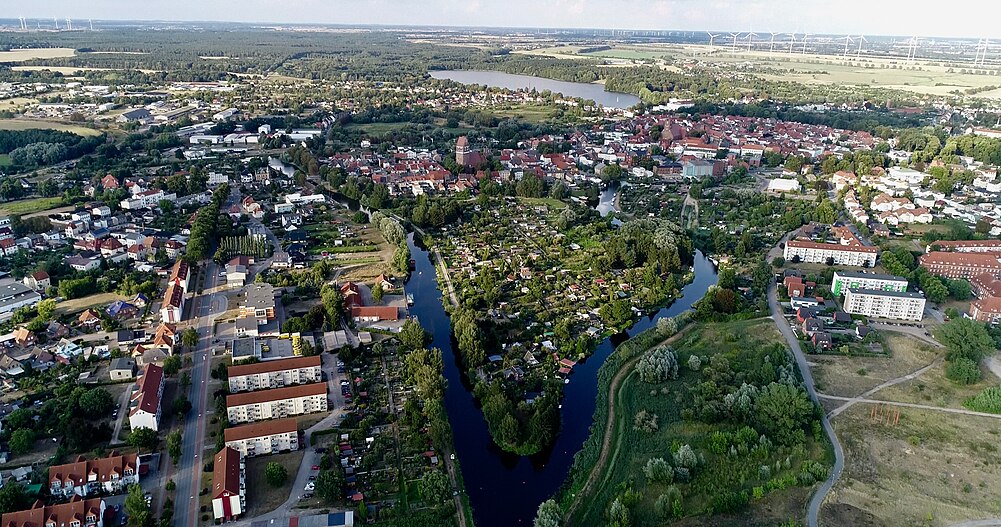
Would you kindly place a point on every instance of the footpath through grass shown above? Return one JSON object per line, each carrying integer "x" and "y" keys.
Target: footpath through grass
{"x": 738, "y": 461}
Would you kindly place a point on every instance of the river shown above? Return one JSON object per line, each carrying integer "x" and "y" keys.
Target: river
{"x": 505, "y": 489}
{"x": 499, "y": 79}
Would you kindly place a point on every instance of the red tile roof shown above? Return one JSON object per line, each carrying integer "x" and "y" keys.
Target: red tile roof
{"x": 274, "y": 365}
{"x": 262, "y": 429}
{"x": 226, "y": 473}
{"x": 277, "y": 394}
{"x": 147, "y": 396}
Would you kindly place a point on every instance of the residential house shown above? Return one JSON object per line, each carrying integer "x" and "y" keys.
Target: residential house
{"x": 122, "y": 368}
{"x": 77, "y": 512}
{"x": 111, "y": 475}
{"x": 38, "y": 281}
{"x": 145, "y": 403}
{"x": 228, "y": 485}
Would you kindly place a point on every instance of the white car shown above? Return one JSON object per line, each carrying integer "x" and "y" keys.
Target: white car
{"x": 309, "y": 486}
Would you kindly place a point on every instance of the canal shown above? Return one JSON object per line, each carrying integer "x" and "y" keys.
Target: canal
{"x": 505, "y": 489}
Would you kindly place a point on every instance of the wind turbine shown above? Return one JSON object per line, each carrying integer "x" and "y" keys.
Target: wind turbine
{"x": 734, "y": 35}
{"x": 771, "y": 46}
{"x": 91, "y": 24}
{"x": 750, "y": 37}
{"x": 711, "y": 38}
{"x": 804, "y": 42}
{"x": 848, "y": 40}
{"x": 69, "y": 24}
{"x": 912, "y": 49}
{"x": 792, "y": 40}
{"x": 861, "y": 39}
{"x": 56, "y": 22}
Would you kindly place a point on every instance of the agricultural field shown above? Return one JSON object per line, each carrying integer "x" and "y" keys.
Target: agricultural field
{"x": 18, "y": 124}
{"x": 21, "y": 55}
{"x": 739, "y": 465}
{"x": 929, "y": 469}
{"x": 924, "y": 76}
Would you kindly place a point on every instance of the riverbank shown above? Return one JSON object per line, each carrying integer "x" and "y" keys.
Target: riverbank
{"x": 727, "y": 476}
{"x": 525, "y": 481}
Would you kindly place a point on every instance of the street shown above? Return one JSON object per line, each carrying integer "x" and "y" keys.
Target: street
{"x": 188, "y": 472}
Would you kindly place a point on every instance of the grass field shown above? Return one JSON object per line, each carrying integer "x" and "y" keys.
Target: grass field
{"x": 849, "y": 376}
{"x": 27, "y": 206}
{"x": 262, "y": 497}
{"x": 719, "y": 473}
{"x": 77, "y": 305}
{"x": 931, "y": 469}
{"x": 17, "y": 124}
{"x": 528, "y": 112}
{"x": 4, "y": 160}
{"x": 378, "y": 128}
{"x": 20, "y": 55}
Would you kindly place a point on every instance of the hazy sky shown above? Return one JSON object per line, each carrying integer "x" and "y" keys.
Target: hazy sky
{"x": 873, "y": 17}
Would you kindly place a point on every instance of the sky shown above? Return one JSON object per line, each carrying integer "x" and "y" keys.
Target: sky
{"x": 870, "y": 17}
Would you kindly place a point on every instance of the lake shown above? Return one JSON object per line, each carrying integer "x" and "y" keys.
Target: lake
{"x": 505, "y": 489}
{"x": 498, "y": 79}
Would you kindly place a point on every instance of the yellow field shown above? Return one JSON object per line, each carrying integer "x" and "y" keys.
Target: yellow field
{"x": 20, "y": 55}
{"x": 68, "y": 70}
{"x": 922, "y": 76}
{"x": 19, "y": 124}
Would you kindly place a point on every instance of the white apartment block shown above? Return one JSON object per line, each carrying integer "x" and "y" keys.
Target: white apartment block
{"x": 274, "y": 374}
{"x": 277, "y": 403}
{"x": 263, "y": 438}
{"x": 147, "y": 200}
{"x": 885, "y": 304}
{"x": 813, "y": 252}
{"x": 844, "y": 280}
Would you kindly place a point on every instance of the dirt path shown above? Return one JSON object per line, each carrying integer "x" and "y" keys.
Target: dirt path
{"x": 903, "y": 378}
{"x": 613, "y": 390}
{"x": 911, "y": 405}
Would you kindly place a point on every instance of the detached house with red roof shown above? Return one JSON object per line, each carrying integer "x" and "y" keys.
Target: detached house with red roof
{"x": 145, "y": 406}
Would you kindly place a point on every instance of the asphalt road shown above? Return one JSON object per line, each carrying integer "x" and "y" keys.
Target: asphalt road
{"x": 188, "y": 472}
{"x": 813, "y": 510}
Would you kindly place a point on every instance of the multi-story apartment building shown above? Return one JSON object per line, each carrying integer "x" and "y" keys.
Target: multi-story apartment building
{"x": 263, "y": 438}
{"x": 844, "y": 280}
{"x": 77, "y": 512}
{"x": 958, "y": 265}
{"x": 147, "y": 200}
{"x": 984, "y": 285}
{"x": 965, "y": 246}
{"x": 277, "y": 403}
{"x": 229, "y": 494}
{"x": 892, "y": 305}
{"x": 145, "y": 407}
{"x": 111, "y": 475}
{"x": 274, "y": 374}
{"x": 986, "y": 309}
{"x": 814, "y": 252}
